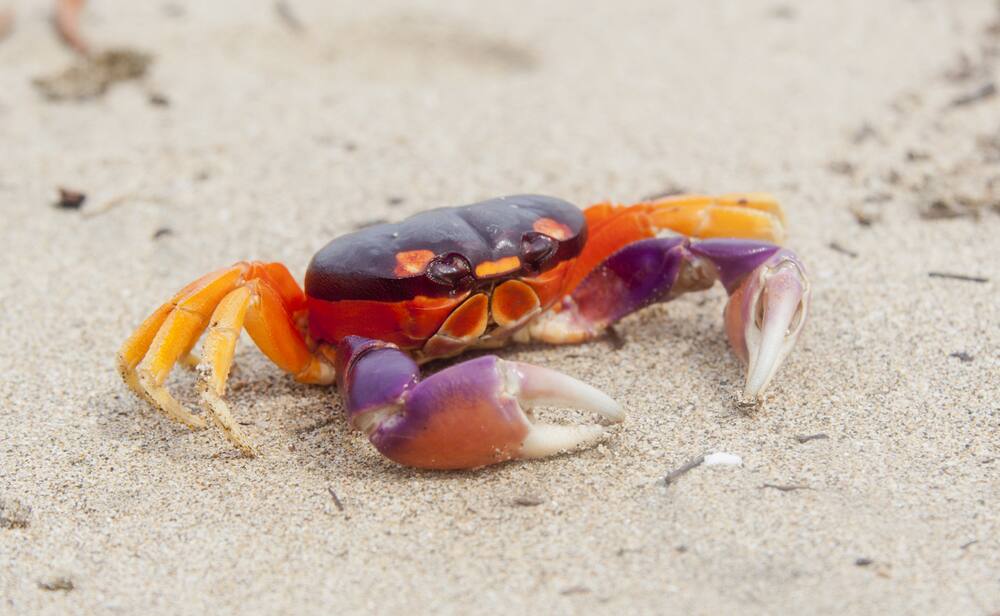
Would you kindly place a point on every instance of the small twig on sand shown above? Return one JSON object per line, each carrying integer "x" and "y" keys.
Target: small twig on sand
{"x": 834, "y": 246}
{"x": 781, "y": 488}
{"x": 805, "y": 438}
{"x": 984, "y": 91}
{"x": 669, "y": 191}
{"x": 688, "y": 466}
{"x": 6, "y": 23}
{"x": 958, "y": 277}
{"x": 111, "y": 204}
{"x": 961, "y": 356}
{"x": 67, "y": 21}
{"x": 968, "y": 544}
{"x": 336, "y": 500}
{"x": 528, "y": 500}
{"x": 288, "y": 17}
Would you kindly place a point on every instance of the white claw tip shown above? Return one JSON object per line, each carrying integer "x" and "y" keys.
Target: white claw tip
{"x": 545, "y": 440}
{"x": 534, "y": 386}
{"x": 537, "y": 386}
{"x": 779, "y": 311}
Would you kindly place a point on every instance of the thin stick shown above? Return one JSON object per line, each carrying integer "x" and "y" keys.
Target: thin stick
{"x": 844, "y": 251}
{"x": 958, "y": 277}
{"x": 336, "y": 500}
{"x": 288, "y": 16}
{"x": 687, "y": 467}
{"x": 805, "y": 438}
{"x": 782, "y": 488}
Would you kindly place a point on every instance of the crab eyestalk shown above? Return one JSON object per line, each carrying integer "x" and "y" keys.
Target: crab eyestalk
{"x": 764, "y": 317}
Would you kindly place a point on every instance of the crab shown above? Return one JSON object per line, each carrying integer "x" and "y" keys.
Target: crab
{"x": 379, "y": 302}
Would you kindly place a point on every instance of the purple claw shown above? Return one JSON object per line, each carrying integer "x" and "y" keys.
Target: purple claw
{"x": 767, "y": 286}
{"x": 469, "y": 415}
{"x": 764, "y": 316}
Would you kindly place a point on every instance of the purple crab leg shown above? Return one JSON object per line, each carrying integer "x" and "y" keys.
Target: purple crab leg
{"x": 768, "y": 296}
{"x": 469, "y": 415}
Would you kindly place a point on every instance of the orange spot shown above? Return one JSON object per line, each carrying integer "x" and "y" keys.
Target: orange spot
{"x": 512, "y": 301}
{"x": 412, "y": 262}
{"x": 468, "y": 320}
{"x": 552, "y": 228}
{"x": 505, "y": 265}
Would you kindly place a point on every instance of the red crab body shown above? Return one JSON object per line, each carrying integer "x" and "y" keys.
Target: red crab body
{"x": 526, "y": 267}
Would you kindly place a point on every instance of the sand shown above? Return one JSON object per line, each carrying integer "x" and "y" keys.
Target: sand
{"x": 275, "y": 139}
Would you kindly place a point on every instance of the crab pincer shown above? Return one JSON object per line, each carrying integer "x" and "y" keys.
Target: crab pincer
{"x": 768, "y": 291}
{"x": 469, "y": 415}
{"x": 769, "y": 297}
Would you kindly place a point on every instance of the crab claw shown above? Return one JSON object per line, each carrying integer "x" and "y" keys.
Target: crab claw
{"x": 764, "y": 317}
{"x": 469, "y": 415}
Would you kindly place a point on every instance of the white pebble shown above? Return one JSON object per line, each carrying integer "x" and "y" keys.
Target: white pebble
{"x": 722, "y": 458}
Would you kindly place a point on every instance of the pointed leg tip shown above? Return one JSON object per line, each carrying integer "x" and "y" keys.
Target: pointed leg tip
{"x": 248, "y": 450}
{"x": 749, "y": 401}
{"x": 225, "y": 421}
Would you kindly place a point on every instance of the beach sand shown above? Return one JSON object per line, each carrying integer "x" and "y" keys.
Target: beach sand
{"x": 277, "y": 135}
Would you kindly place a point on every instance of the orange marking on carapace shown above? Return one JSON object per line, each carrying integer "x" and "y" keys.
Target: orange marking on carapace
{"x": 552, "y": 228}
{"x": 512, "y": 301}
{"x": 468, "y": 320}
{"x": 412, "y": 262}
{"x": 499, "y": 267}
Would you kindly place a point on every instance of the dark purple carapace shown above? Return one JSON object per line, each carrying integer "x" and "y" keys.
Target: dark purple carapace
{"x": 540, "y": 232}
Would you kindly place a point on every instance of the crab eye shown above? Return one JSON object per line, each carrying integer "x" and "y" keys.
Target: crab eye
{"x": 449, "y": 269}
{"x": 536, "y": 247}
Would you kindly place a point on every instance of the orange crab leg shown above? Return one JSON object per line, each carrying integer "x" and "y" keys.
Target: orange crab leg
{"x": 756, "y": 216}
{"x": 260, "y": 296}
{"x": 134, "y": 349}
{"x": 186, "y": 321}
{"x": 220, "y": 347}
{"x": 273, "y": 330}
{"x": 753, "y": 216}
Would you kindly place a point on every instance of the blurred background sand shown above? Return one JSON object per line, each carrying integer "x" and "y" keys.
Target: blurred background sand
{"x": 257, "y": 135}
